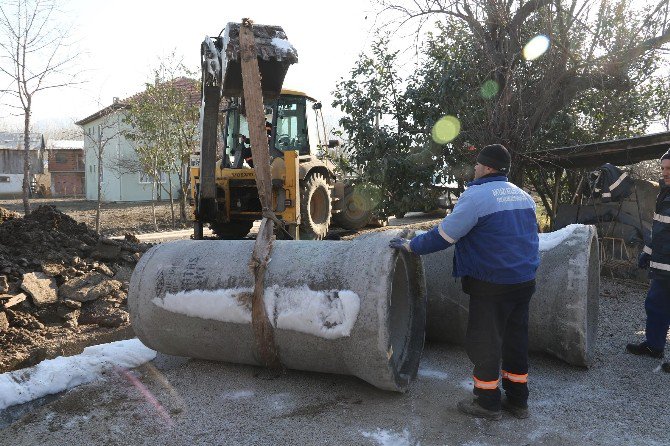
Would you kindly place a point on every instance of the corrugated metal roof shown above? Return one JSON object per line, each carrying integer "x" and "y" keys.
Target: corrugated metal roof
{"x": 14, "y": 141}
{"x": 620, "y": 152}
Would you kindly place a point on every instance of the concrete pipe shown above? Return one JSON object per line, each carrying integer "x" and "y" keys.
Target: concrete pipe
{"x": 563, "y": 311}
{"x": 355, "y": 308}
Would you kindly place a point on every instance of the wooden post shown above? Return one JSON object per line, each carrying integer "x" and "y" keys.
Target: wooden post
{"x": 558, "y": 173}
{"x": 253, "y": 98}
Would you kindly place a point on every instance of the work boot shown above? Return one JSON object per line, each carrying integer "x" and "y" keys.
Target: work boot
{"x": 644, "y": 349}
{"x": 665, "y": 367}
{"x": 470, "y": 406}
{"x": 516, "y": 411}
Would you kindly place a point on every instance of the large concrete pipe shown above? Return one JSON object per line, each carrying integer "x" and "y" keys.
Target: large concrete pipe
{"x": 353, "y": 307}
{"x": 563, "y": 311}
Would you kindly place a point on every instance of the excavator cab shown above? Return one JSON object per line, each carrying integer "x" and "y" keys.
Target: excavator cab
{"x": 287, "y": 122}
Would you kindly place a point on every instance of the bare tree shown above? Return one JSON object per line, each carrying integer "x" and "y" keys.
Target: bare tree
{"x": 34, "y": 56}
{"x": 99, "y": 136}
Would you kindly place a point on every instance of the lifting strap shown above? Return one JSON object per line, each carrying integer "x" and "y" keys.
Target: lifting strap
{"x": 253, "y": 97}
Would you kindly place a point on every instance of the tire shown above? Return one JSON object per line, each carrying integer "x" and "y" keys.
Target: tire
{"x": 233, "y": 230}
{"x": 315, "y": 208}
{"x": 354, "y": 211}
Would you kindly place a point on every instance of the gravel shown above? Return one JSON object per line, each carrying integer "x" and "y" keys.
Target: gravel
{"x": 621, "y": 399}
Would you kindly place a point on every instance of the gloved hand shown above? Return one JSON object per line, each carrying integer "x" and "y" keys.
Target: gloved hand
{"x": 400, "y": 244}
{"x": 643, "y": 260}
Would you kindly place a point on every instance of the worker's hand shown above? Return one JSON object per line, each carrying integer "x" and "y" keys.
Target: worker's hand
{"x": 400, "y": 244}
{"x": 643, "y": 260}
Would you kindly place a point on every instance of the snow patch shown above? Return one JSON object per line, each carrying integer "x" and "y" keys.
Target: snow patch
{"x": 282, "y": 44}
{"x": 62, "y": 373}
{"x": 213, "y": 65}
{"x": 550, "y": 240}
{"x": 437, "y": 374}
{"x": 389, "y": 438}
{"x": 238, "y": 395}
{"x": 227, "y": 305}
{"x": 327, "y": 314}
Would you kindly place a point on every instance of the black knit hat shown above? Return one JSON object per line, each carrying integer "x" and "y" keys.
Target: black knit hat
{"x": 495, "y": 156}
{"x": 666, "y": 156}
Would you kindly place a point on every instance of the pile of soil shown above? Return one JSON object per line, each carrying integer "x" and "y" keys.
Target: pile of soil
{"x": 60, "y": 282}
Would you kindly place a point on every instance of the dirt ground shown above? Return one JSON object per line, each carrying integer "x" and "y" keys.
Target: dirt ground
{"x": 617, "y": 412}
{"x": 116, "y": 218}
{"x": 620, "y": 400}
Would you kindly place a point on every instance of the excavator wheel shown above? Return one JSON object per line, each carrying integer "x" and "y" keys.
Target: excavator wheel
{"x": 355, "y": 211}
{"x": 232, "y": 230}
{"x": 315, "y": 207}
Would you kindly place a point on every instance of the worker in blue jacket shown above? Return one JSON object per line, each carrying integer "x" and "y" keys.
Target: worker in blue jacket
{"x": 656, "y": 257}
{"x": 494, "y": 229}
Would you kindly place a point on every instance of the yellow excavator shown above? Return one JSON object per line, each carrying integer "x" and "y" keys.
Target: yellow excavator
{"x": 305, "y": 192}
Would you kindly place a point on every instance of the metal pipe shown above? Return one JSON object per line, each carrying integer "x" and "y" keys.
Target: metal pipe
{"x": 189, "y": 298}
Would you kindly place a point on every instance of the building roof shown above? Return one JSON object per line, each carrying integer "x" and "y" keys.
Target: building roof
{"x": 14, "y": 141}
{"x": 620, "y": 152}
{"x": 184, "y": 83}
{"x": 65, "y": 144}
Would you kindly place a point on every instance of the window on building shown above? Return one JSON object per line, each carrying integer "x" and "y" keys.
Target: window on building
{"x": 60, "y": 158}
{"x": 4, "y": 179}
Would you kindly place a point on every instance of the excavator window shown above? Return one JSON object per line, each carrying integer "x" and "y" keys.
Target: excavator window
{"x": 286, "y": 124}
{"x": 291, "y": 131}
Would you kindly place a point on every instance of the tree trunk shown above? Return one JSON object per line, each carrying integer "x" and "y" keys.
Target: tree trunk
{"x": 97, "y": 209}
{"x": 153, "y": 203}
{"x": 26, "y": 159}
{"x": 183, "y": 186}
{"x": 171, "y": 200}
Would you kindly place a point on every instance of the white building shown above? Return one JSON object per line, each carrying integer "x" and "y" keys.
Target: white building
{"x": 12, "y": 158}
{"x": 122, "y": 179}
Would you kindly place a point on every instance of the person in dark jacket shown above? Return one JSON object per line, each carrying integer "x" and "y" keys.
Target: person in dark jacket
{"x": 494, "y": 229}
{"x": 656, "y": 257}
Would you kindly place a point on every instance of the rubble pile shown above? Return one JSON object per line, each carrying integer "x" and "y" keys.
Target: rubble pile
{"x": 57, "y": 275}
{"x": 6, "y": 214}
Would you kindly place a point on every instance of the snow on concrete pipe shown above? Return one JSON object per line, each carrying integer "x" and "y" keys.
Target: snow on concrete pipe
{"x": 355, "y": 307}
{"x": 563, "y": 311}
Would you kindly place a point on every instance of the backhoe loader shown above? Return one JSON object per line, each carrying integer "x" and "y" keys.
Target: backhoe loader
{"x": 224, "y": 190}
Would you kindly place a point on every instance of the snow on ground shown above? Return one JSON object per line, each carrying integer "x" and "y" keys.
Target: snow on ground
{"x": 434, "y": 374}
{"x": 384, "y": 437}
{"x": 64, "y": 372}
{"x": 549, "y": 240}
{"x": 328, "y": 314}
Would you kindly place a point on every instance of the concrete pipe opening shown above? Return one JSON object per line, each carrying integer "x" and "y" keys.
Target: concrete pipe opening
{"x": 406, "y": 335}
{"x": 349, "y": 307}
{"x": 563, "y": 317}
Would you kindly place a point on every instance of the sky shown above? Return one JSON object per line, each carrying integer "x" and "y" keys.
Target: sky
{"x": 122, "y": 40}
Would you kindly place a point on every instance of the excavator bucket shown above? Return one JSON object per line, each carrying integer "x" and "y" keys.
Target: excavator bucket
{"x": 223, "y": 58}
